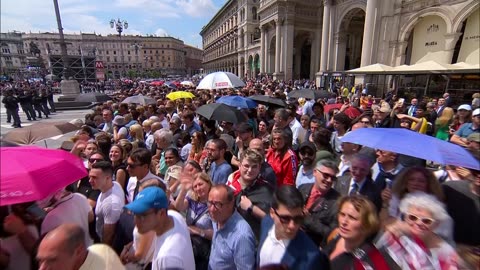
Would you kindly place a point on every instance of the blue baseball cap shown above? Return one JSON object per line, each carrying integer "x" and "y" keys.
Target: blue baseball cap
{"x": 150, "y": 197}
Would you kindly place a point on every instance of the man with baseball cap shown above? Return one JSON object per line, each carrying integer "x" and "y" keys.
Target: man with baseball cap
{"x": 173, "y": 248}
{"x": 460, "y": 136}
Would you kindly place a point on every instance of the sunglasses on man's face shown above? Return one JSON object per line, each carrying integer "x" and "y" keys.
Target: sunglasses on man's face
{"x": 93, "y": 160}
{"x": 133, "y": 165}
{"x": 285, "y": 219}
{"x": 425, "y": 220}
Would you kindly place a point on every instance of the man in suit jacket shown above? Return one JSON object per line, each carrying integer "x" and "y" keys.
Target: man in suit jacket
{"x": 360, "y": 181}
{"x": 281, "y": 240}
{"x": 320, "y": 199}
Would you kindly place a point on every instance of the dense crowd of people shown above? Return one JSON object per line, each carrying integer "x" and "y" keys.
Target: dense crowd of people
{"x": 169, "y": 189}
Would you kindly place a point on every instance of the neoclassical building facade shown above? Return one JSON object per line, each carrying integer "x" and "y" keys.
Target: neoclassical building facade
{"x": 293, "y": 39}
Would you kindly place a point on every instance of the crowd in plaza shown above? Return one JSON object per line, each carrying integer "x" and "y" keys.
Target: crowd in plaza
{"x": 168, "y": 188}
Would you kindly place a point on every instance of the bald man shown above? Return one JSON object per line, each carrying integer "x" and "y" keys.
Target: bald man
{"x": 266, "y": 171}
{"x": 64, "y": 248}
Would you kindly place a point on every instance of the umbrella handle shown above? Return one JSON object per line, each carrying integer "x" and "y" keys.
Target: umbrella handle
{"x": 45, "y": 141}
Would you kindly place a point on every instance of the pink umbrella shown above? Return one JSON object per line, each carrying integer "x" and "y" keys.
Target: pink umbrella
{"x": 31, "y": 173}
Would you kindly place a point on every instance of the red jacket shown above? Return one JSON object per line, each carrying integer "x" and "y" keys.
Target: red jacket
{"x": 285, "y": 167}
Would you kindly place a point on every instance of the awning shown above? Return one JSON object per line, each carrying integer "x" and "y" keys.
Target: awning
{"x": 371, "y": 69}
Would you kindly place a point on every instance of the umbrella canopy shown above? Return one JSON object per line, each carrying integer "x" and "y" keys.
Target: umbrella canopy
{"x": 26, "y": 179}
{"x": 237, "y": 102}
{"x": 220, "y": 80}
{"x": 170, "y": 85}
{"x": 221, "y": 112}
{"x": 187, "y": 84}
{"x": 139, "y": 99}
{"x": 302, "y": 93}
{"x": 407, "y": 142}
{"x": 180, "y": 94}
{"x": 93, "y": 97}
{"x": 309, "y": 93}
{"x": 157, "y": 83}
{"x": 269, "y": 101}
{"x": 39, "y": 131}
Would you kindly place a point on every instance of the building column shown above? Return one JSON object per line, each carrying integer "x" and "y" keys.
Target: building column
{"x": 341, "y": 49}
{"x": 450, "y": 42}
{"x": 289, "y": 30}
{"x": 369, "y": 32}
{"x": 325, "y": 35}
{"x": 266, "y": 51}
{"x": 314, "y": 53}
{"x": 278, "y": 48}
{"x": 262, "y": 50}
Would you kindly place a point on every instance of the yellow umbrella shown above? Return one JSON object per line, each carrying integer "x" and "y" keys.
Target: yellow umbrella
{"x": 180, "y": 94}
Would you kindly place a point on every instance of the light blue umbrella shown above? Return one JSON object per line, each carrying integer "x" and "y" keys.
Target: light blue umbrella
{"x": 237, "y": 102}
{"x": 411, "y": 143}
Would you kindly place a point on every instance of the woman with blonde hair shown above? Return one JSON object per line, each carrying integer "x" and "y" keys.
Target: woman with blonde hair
{"x": 136, "y": 136}
{"x": 193, "y": 198}
{"x": 358, "y": 224}
{"x": 442, "y": 124}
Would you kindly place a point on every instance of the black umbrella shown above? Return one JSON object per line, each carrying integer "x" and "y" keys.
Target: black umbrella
{"x": 309, "y": 93}
{"x": 322, "y": 94}
{"x": 270, "y": 101}
{"x": 302, "y": 93}
{"x": 221, "y": 112}
{"x": 93, "y": 97}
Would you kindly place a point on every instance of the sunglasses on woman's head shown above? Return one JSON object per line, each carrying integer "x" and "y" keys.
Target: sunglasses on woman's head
{"x": 425, "y": 220}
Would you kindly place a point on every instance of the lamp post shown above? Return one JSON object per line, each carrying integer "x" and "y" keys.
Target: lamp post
{"x": 136, "y": 46}
{"x": 119, "y": 26}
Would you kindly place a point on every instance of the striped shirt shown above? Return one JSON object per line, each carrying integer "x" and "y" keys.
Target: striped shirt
{"x": 233, "y": 246}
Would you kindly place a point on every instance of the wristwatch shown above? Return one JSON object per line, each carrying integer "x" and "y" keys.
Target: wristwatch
{"x": 250, "y": 209}
{"x": 202, "y": 233}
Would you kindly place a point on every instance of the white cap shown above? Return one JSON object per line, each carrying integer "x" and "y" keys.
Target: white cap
{"x": 465, "y": 107}
{"x": 476, "y": 112}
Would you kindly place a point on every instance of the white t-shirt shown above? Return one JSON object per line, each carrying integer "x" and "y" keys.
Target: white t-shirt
{"x": 73, "y": 208}
{"x": 173, "y": 249}
{"x": 19, "y": 258}
{"x": 109, "y": 207}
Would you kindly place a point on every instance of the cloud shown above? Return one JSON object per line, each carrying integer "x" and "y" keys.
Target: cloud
{"x": 161, "y": 33}
{"x": 197, "y": 8}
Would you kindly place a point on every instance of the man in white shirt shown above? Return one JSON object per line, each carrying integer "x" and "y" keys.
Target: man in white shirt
{"x": 110, "y": 202}
{"x": 173, "y": 247}
{"x": 68, "y": 208}
{"x": 138, "y": 167}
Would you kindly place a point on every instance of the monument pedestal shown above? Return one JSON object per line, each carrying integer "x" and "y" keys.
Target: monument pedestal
{"x": 70, "y": 87}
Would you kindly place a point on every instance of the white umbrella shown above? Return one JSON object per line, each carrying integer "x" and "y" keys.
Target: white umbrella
{"x": 187, "y": 84}
{"x": 220, "y": 80}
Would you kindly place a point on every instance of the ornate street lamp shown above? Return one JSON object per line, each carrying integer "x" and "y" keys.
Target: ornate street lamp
{"x": 120, "y": 26}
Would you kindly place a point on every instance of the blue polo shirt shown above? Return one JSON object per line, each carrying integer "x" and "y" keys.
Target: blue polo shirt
{"x": 219, "y": 173}
{"x": 465, "y": 130}
{"x": 304, "y": 177}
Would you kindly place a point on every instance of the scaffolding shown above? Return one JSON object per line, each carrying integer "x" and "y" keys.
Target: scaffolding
{"x": 82, "y": 68}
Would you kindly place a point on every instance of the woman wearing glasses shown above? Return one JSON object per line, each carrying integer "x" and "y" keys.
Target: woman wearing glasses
{"x": 412, "y": 242}
{"x": 410, "y": 180}
{"x": 357, "y": 225}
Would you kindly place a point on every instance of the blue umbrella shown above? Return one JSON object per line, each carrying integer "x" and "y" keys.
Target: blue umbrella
{"x": 407, "y": 142}
{"x": 237, "y": 102}
{"x": 171, "y": 85}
